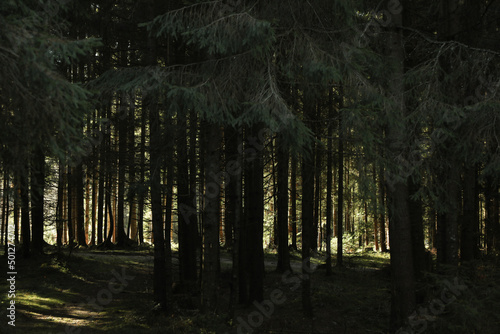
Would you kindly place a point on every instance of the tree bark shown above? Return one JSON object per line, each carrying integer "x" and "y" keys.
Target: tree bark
{"x": 403, "y": 285}
{"x": 340, "y": 185}
{"x": 25, "y": 214}
{"x": 210, "y": 268}
{"x": 283, "y": 251}
{"x": 254, "y": 190}
{"x": 307, "y": 225}
{"x": 159, "y": 284}
{"x": 185, "y": 205}
{"x": 293, "y": 199}
{"x": 37, "y": 199}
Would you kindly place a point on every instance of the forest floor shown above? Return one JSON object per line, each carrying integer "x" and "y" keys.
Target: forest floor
{"x": 95, "y": 291}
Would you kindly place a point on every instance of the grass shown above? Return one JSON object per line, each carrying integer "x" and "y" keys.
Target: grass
{"x": 53, "y": 294}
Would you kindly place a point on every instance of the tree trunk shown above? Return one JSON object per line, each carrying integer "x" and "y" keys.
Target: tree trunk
{"x": 417, "y": 231}
{"x": 209, "y": 286}
{"x": 142, "y": 191}
{"x": 403, "y": 284}
{"x": 307, "y": 225}
{"x": 17, "y": 206}
{"x": 254, "y": 190}
{"x": 283, "y": 252}
{"x": 122, "y": 165}
{"x": 229, "y": 186}
{"x": 159, "y": 279}
{"x": 329, "y": 185}
{"x": 37, "y": 199}
{"x": 186, "y": 209}
{"x": 451, "y": 233}
{"x": 71, "y": 208}
{"x": 25, "y": 213}
{"x": 5, "y": 211}
{"x": 340, "y": 185}
{"x": 382, "y": 216}
{"x": 233, "y": 205}
{"x": 60, "y": 207}
{"x": 80, "y": 212}
{"x": 293, "y": 198}
{"x": 468, "y": 237}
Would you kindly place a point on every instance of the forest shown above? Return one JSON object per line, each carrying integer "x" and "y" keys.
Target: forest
{"x": 249, "y": 166}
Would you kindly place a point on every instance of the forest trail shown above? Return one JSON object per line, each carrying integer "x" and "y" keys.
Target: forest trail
{"x": 111, "y": 292}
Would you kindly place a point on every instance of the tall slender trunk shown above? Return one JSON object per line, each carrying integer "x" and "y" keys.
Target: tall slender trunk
{"x": 211, "y": 221}
{"x": 307, "y": 225}
{"x": 193, "y": 220}
{"x": 79, "y": 207}
{"x": 132, "y": 220}
{"x": 37, "y": 199}
{"x": 233, "y": 205}
{"x": 293, "y": 199}
{"x": 102, "y": 177}
{"x": 283, "y": 251}
{"x": 5, "y": 211}
{"x": 71, "y": 208}
{"x": 329, "y": 185}
{"x": 186, "y": 209}
{"x": 142, "y": 175}
{"x": 25, "y": 213}
{"x": 417, "y": 230}
{"x": 168, "y": 206}
{"x": 122, "y": 165}
{"x": 60, "y": 206}
{"x": 468, "y": 238}
{"x": 403, "y": 284}
{"x": 340, "y": 184}
{"x": 317, "y": 180}
{"x": 17, "y": 206}
{"x": 254, "y": 190}
{"x": 159, "y": 279}
{"x": 376, "y": 210}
